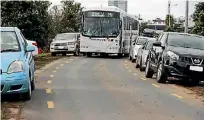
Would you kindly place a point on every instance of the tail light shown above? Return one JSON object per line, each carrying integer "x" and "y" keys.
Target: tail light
{"x": 35, "y": 44}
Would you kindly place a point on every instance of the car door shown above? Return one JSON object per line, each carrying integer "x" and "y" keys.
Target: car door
{"x": 154, "y": 54}
{"x": 28, "y": 56}
{"x": 140, "y": 52}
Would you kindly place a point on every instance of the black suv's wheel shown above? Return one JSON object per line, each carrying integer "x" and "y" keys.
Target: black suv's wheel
{"x": 161, "y": 75}
{"x": 148, "y": 71}
{"x": 53, "y": 54}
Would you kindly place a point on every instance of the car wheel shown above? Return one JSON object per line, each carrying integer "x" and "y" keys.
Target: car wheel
{"x": 141, "y": 68}
{"x": 33, "y": 84}
{"x": 89, "y": 54}
{"x": 130, "y": 58}
{"x": 161, "y": 75}
{"x": 76, "y": 53}
{"x": 53, "y": 54}
{"x": 137, "y": 65}
{"x": 27, "y": 95}
{"x": 148, "y": 72}
{"x": 64, "y": 54}
{"x": 133, "y": 60}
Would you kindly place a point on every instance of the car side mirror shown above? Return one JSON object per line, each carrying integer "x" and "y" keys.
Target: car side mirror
{"x": 157, "y": 44}
{"x": 133, "y": 43}
{"x": 30, "y": 48}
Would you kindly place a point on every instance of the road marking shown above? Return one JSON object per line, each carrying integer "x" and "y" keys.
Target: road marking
{"x": 48, "y": 91}
{"x": 142, "y": 78}
{"x": 49, "y": 81}
{"x": 54, "y": 71}
{"x": 155, "y": 85}
{"x": 126, "y": 61}
{"x": 178, "y": 96}
{"x": 61, "y": 64}
{"x": 50, "y": 104}
{"x": 51, "y": 75}
{"x": 135, "y": 74}
{"x": 71, "y": 59}
{"x": 67, "y": 61}
{"x": 125, "y": 64}
{"x": 57, "y": 67}
{"x": 130, "y": 71}
{"x": 126, "y": 67}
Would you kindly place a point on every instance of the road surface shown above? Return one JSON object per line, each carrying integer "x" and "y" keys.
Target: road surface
{"x": 80, "y": 88}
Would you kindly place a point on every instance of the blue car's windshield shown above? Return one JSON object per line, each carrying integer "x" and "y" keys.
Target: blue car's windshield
{"x": 9, "y": 42}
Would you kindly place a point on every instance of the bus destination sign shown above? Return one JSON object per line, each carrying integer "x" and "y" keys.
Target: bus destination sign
{"x": 101, "y": 14}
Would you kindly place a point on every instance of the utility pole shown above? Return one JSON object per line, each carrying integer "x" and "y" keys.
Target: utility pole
{"x": 169, "y": 12}
{"x": 186, "y": 17}
{"x": 138, "y": 25}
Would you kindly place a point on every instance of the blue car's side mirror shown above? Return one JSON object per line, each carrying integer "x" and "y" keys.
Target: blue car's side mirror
{"x": 30, "y": 48}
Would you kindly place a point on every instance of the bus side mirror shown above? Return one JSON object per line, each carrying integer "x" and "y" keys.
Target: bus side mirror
{"x": 120, "y": 24}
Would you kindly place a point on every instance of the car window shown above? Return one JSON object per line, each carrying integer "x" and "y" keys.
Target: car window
{"x": 65, "y": 37}
{"x": 149, "y": 45}
{"x": 141, "y": 41}
{"x": 160, "y": 36}
{"x": 163, "y": 39}
{"x": 10, "y": 41}
{"x": 24, "y": 40}
{"x": 186, "y": 41}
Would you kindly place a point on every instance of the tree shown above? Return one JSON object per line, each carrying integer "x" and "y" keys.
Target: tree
{"x": 169, "y": 28}
{"x": 143, "y": 25}
{"x": 31, "y": 17}
{"x": 71, "y": 16}
{"x": 198, "y": 18}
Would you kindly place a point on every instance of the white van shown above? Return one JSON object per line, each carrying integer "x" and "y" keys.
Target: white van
{"x": 65, "y": 43}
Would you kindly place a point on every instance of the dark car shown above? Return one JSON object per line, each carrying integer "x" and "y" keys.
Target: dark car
{"x": 176, "y": 56}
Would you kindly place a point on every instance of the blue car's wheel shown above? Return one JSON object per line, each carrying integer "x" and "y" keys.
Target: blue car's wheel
{"x": 27, "y": 95}
{"x": 33, "y": 84}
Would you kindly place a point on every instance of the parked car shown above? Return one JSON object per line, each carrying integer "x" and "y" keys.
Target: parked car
{"x": 34, "y": 43}
{"x": 140, "y": 40}
{"x": 177, "y": 56}
{"x": 65, "y": 43}
{"x": 142, "y": 55}
{"x": 17, "y": 63}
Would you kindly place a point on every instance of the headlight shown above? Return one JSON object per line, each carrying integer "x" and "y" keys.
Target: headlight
{"x": 70, "y": 43}
{"x": 173, "y": 55}
{"x": 16, "y": 66}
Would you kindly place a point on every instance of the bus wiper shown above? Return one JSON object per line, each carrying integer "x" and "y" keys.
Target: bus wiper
{"x": 9, "y": 50}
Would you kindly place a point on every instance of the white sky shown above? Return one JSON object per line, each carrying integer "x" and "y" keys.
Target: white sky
{"x": 149, "y": 9}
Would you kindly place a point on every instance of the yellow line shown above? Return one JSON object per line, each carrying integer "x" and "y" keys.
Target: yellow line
{"x": 71, "y": 59}
{"x": 51, "y": 75}
{"x": 57, "y": 67}
{"x": 61, "y": 64}
{"x": 178, "y": 96}
{"x": 54, "y": 71}
{"x": 49, "y": 81}
{"x": 142, "y": 78}
{"x": 125, "y": 61}
{"x": 50, "y": 104}
{"x": 125, "y": 64}
{"x": 67, "y": 62}
{"x": 126, "y": 67}
{"x": 130, "y": 71}
{"x": 48, "y": 90}
{"x": 135, "y": 74}
{"x": 156, "y": 85}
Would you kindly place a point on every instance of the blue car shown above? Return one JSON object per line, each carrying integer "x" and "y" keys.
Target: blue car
{"x": 17, "y": 64}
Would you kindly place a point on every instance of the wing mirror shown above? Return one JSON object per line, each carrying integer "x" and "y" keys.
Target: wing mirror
{"x": 30, "y": 48}
{"x": 157, "y": 44}
{"x": 120, "y": 24}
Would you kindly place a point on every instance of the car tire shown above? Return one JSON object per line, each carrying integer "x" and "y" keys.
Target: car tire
{"x": 64, "y": 54}
{"x": 120, "y": 55}
{"x": 53, "y": 54}
{"x": 33, "y": 84}
{"x": 141, "y": 68}
{"x": 76, "y": 52}
{"x": 137, "y": 65}
{"x": 161, "y": 75}
{"x": 27, "y": 95}
{"x": 89, "y": 54}
{"x": 148, "y": 72}
{"x": 133, "y": 60}
{"x": 130, "y": 58}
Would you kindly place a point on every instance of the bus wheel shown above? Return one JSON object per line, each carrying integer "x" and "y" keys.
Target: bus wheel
{"x": 120, "y": 55}
{"x": 89, "y": 54}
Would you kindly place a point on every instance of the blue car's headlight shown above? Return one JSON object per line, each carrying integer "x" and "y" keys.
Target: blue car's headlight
{"x": 16, "y": 66}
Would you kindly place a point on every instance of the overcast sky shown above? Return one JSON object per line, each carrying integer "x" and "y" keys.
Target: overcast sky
{"x": 149, "y": 9}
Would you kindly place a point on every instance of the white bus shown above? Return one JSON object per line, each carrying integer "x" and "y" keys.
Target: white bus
{"x": 107, "y": 30}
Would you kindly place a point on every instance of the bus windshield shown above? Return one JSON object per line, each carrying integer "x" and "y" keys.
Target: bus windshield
{"x": 101, "y": 25}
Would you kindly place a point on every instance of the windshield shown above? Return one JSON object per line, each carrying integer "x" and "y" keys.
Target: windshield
{"x": 141, "y": 41}
{"x": 187, "y": 41}
{"x": 149, "y": 45}
{"x": 101, "y": 26}
{"x": 65, "y": 37}
{"x": 9, "y": 41}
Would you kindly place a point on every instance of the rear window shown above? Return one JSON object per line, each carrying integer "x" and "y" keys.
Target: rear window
{"x": 9, "y": 40}
{"x": 186, "y": 41}
{"x": 141, "y": 41}
{"x": 65, "y": 37}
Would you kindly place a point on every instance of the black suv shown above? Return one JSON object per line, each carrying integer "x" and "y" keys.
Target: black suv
{"x": 176, "y": 56}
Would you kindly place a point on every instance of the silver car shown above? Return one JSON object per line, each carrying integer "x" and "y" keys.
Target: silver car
{"x": 142, "y": 54}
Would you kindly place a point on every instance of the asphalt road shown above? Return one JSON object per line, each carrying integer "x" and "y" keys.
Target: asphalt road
{"x": 80, "y": 88}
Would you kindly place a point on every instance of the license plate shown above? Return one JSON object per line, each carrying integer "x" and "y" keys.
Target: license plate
{"x": 196, "y": 68}
{"x": 60, "y": 47}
